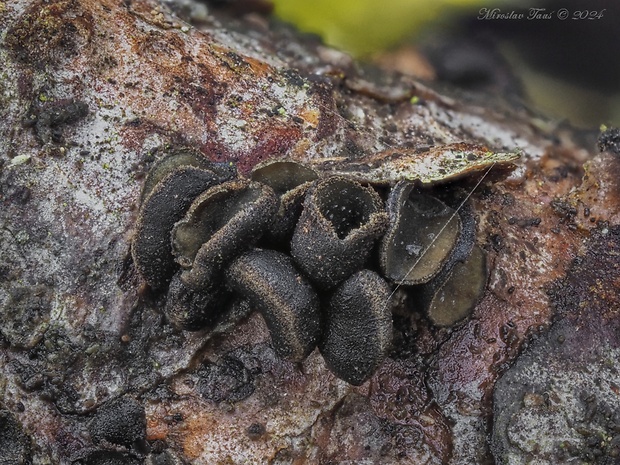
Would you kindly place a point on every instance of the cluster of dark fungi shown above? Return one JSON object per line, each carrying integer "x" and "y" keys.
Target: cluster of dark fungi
{"x": 317, "y": 255}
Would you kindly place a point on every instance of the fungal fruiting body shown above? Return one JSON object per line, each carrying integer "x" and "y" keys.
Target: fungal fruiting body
{"x": 287, "y": 301}
{"x": 414, "y": 255}
{"x": 316, "y": 253}
{"x": 162, "y": 208}
{"x": 337, "y": 229}
{"x": 358, "y": 327}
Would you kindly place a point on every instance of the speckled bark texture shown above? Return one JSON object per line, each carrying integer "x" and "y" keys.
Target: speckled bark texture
{"x": 93, "y": 92}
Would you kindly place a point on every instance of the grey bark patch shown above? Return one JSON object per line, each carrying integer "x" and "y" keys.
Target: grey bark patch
{"x": 229, "y": 380}
{"x": 14, "y": 444}
{"x": 558, "y": 403}
{"x": 26, "y": 315}
{"x": 107, "y": 457}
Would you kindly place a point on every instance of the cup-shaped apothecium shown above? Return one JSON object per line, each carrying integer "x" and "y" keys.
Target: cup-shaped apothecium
{"x": 166, "y": 204}
{"x": 290, "y": 180}
{"x": 422, "y": 234}
{"x": 170, "y": 187}
{"x": 199, "y": 223}
{"x": 337, "y": 229}
{"x": 221, "y": 223}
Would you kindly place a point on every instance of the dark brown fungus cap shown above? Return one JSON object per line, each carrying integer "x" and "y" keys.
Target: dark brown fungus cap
{"x": 283, "y": 176}
{"x": 161, "y": 209}
{"x": 284, "y": 297}
{"x": 184, "y": 157}
{"x": 358, "y": 327}
{"x": 109, "y": 457}
{"x": 339, "y": 224}
{"x": 451, "y": 296}
{"x": 290, "y": 180}
{"x": 121, "y": 421}
{"x": 191, "y": 310}
{"x": 456, "y": 199}
{"x": 422, "y": 234}
{"x": 467, "y": 238}
{"x": 222, "y": 223}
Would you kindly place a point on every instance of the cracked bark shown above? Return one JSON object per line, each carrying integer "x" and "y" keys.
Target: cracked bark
{"x": 77, "y": 331}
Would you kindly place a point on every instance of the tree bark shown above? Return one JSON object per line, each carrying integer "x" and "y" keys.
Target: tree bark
{"x": 94, "y": 91}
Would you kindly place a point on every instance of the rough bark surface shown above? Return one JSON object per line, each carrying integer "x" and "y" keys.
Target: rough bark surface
{"x": 93, "y": 91}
